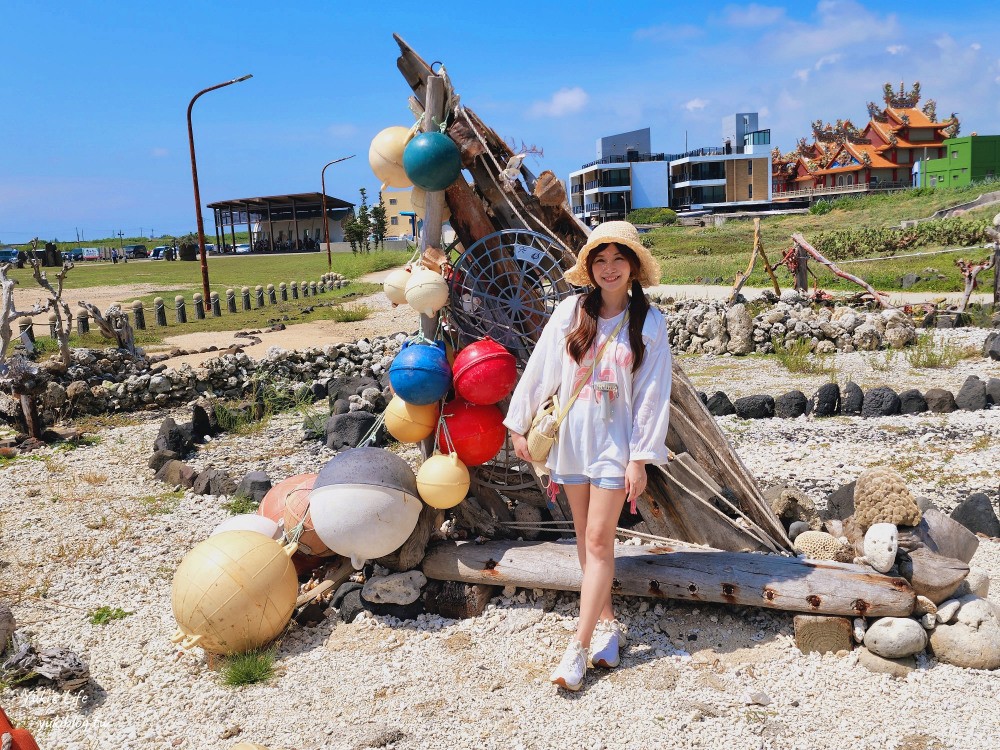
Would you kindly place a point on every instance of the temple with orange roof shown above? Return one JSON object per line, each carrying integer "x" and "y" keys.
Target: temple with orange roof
{"x": 881, "y": 156}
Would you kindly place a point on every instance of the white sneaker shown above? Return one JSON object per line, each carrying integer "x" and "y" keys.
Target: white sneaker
{"x": 605, "y": 644}
{"x": 569, "y": 674}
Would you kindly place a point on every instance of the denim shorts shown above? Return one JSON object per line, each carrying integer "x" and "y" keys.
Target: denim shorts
{"x": 604, "y": 483}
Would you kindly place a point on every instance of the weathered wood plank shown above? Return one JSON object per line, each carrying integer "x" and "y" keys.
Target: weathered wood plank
{"x": 771, "y": 581}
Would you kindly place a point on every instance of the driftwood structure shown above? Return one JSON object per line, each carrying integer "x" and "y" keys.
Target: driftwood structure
{"x": 726, "y": 505}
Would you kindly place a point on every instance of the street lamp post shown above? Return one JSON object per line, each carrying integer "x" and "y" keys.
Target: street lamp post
{"x": 326, "y": 221}
{"x": 194, "y": 177}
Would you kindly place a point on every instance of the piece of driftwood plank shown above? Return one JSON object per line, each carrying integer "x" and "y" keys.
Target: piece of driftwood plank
{"x": 689, "y": 513}
{"x": 694, "y": 430}
{"x": 662, "y": 572}
{"x": 932, "y": 575}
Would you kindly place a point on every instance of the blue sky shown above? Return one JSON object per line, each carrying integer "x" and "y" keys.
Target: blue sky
{"x": 93, "y": 95}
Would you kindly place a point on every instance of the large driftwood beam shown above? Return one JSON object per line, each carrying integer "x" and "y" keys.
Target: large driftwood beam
{"x": 468, "y": 215}
{"x": 694, "y": 430}
{"x": 771, "y": 581}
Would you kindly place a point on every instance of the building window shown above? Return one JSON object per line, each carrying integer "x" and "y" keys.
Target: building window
{"x": 392, "y": 201}
{"x": 750, "y": 192}
{"x": 749, "y": 167}
{"x": 394, "y": 220}
{"x": 964, "y": 170}
{"x": 954, "y": 154}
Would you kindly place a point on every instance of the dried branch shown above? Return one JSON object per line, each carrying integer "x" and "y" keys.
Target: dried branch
{"x": 970, "y": 270}
{"x": 881, "y": 298}
{"x": 64, "y": 318}
{"x": 8, "y": 313}
{"x": 114, "y": 325}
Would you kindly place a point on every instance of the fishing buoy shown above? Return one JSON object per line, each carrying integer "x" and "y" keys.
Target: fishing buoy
{"x": 233, "y": 592}
{"x": 476, "y": 432}
{"x": 484, "y": 372}
{"x": 410, "y": 423}
{"x": 426, "y": 292}
{"x": 395, "y": 285}
{"x": 432, "y": 161}
{"x": 385, "y": 156}
{"x": 420, "y": 373}
{"x": 418, "y": 203}
{"x": 443, "y": 481}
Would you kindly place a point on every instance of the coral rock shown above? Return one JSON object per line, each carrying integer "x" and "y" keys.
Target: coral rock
{"x": 881, "y": 496}
{"x": 818, "y": 545}
{"x": 881, "y": 543}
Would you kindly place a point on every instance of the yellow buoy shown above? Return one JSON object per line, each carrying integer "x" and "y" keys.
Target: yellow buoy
{"x": 443, "y": 481}
{"x": 426, "y": 292}
{"x": 418, "y": 203}
{"x": 409, "y": 423}
{"x": 385, "y": 155}
{"x": 233, "y": 592}
{"x": 395, "y": 286}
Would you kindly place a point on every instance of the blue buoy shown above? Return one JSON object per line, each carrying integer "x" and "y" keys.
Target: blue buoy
{"x": 432, "y": 161}
{"x": 420, "y": 373}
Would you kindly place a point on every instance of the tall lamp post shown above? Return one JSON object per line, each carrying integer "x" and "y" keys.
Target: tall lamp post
{"x": 326, "y": 221}
{"x": 197, "y": 193}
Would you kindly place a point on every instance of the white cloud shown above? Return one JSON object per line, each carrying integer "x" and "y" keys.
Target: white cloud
{"x": 752, "y": 15}
{"x": 895, "y": 49}
{"x": 342, "y": 130}
{"x": 565, "y": 101}
{"x": 695, "y": 105}
{"x": 827, "y": 60}
{"x": 668, "y": 32}
{"x": 975, "y": 46}
{"x": 802, "y": 75}
{"x": 841, "y": 25}
{"x": 159, "y": 152}
{"x": 764, "y": 111}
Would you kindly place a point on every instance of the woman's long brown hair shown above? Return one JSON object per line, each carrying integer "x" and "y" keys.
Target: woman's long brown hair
{"x": 582, "y": 337}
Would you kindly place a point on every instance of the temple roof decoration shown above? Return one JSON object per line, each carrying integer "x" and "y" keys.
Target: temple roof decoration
{"x": 903, "y": 99}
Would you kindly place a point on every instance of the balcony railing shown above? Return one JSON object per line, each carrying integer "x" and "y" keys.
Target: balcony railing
{"x": 577, "y": 189}
{"x": 592, "y": 207}
{"x": 706, "y": 151}
{"x": 626, "y": 159}
{"x": 858, "y": 187}
{"x": 592, "y": 185}
{"x": 578, "y": 210}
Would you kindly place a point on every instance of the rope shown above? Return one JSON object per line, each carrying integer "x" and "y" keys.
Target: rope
{"x": 370, "y": 437}
{"x": 506, "y": 194}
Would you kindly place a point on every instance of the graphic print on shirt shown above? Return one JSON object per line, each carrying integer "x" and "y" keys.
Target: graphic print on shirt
{"x": 617, "y": 357}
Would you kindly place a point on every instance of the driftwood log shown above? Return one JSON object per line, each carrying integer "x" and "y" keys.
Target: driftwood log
{"x": 662, "y": 572}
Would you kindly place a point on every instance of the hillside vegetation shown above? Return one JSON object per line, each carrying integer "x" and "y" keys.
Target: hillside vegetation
{"x": 854, "y": 228}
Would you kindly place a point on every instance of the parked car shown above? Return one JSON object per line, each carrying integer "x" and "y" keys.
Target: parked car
{"x": 8, "y": 254}
{"x": 243, "y": 249}
{"x": 210, "y": 248}
{"x": 159, "y": 252}
{"x": 135, "y": 251}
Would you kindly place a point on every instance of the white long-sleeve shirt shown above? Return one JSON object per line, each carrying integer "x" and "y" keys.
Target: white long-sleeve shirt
{"x": 587, "y": 443}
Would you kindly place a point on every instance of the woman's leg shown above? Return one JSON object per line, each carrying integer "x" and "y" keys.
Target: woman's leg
{"x": 605, "y": 507}
{"x": 579, "y": 503}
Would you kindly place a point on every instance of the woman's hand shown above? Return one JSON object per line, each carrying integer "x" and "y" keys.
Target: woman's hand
{"x": 635, "y": 480}
{"x": 520, "y": 443}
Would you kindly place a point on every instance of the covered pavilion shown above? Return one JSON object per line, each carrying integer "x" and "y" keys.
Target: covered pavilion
{"x": 281, "y": 222}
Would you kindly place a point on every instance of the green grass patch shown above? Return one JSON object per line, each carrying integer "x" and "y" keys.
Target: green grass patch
{"x": 926, "y": 353}
{"x": 104, "y": 615}
{"x": 693, "y": 255}
{"x": 351, "y": 314}
{"x": 250, "y": 668}
{"x": 161, "y": 505}
{"x": 796, "y": 357}
{"x": 240, "y": 504}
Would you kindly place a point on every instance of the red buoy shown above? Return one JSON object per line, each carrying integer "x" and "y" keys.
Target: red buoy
{"x": 477, "y": 431}
{"x": 484, "y": 372}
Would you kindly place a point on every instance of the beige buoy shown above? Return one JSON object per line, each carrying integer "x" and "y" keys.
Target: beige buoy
{"x": 443, "y": 481}
{"x": 395, "y": 285}
{"x": 418, "y": 202}
{"x": 385, "y": 155}
{"x": 410, "y": 423}
{"x": 426, "y": 292}
{"x": 233, "y": 592}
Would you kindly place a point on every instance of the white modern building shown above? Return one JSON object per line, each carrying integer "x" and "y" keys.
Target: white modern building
{"x": 628, "y": 175}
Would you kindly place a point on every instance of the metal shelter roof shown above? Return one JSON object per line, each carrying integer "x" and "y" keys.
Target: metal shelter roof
{"x": 262, "y": 203}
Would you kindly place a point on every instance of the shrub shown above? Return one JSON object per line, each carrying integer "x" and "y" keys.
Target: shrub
{"x": 104, "y": 615}
{"x": 652, "y": 216}
{"x": 820, "y": 208}
{"x": 240, "y": 504}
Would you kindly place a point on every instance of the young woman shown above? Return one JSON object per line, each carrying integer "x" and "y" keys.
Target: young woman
{"x": 616, "y": 426}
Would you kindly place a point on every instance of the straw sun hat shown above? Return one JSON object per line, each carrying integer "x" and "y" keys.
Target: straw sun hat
{"x": 621, "y": 233}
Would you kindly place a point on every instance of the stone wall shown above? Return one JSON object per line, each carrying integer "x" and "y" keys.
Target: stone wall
{"x": 699, "y": 327}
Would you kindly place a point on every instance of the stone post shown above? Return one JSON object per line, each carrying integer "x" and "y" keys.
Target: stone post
{"x": 53, "y": 327}
{"x": 160, "y": 310}
{"x": 304, "y": 286}
{"x": 258, "y": 293}
{"x": 312, "y": 288}
{"x": 181, "y": 309}
{"x": 199, "y": 306}
{"x": 283, "y": 291}
{"x": 24, "y": 326}
{"x": 245, "y": 293}
{"x": 216, "y": 307}
{"x": 295, "y": 290}
{"x": 138, "y": 316}
{"x": 82, "y": 323}
{"x": 271, "y": 298}
{"x": 231, "y": 300}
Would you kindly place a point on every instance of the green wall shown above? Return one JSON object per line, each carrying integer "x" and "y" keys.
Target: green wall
{"x": 969, "y": 159}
